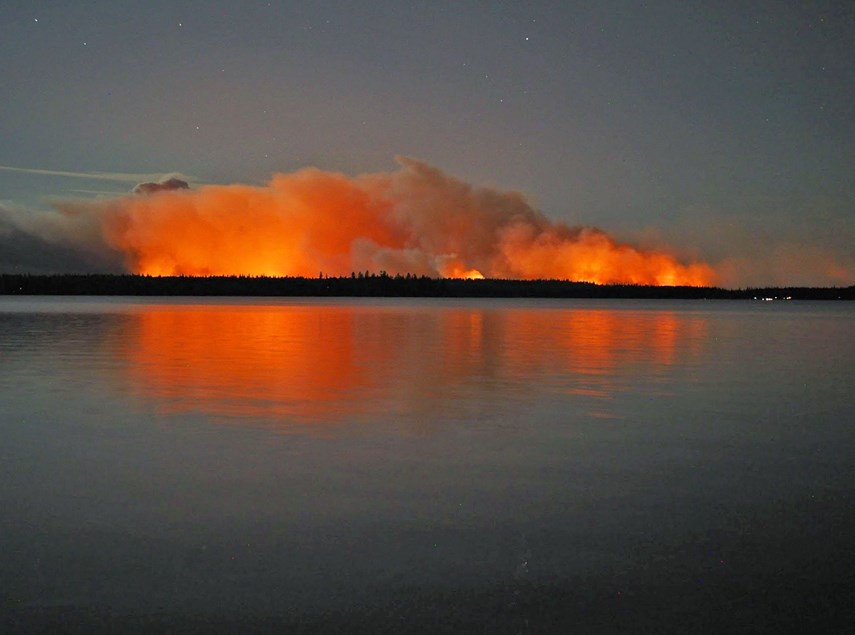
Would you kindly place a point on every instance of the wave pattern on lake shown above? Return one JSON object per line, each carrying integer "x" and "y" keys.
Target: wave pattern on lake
{"x": 426, "y": 465}
{"x": 296, "y": 363}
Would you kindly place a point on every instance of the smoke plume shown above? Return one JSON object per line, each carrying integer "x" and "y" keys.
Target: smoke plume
{"x": 415, "y": 220}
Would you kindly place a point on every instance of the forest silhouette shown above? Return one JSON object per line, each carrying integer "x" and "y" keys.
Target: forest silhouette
{"x": 368, "y": 284}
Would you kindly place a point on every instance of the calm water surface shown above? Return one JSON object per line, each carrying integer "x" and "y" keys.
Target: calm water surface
{"x": 426, "y": 465}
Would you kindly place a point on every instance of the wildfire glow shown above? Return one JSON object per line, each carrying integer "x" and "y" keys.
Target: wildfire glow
{"x": 415, "y": 220}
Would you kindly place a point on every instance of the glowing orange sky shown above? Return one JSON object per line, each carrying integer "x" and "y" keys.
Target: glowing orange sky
{"x": 415, "y": 220}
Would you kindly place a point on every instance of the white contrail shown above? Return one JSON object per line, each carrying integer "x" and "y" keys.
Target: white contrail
{"x": 123, "y": 177}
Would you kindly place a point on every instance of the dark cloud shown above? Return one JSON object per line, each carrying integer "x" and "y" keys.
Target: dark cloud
{"x": 169, "y": 184}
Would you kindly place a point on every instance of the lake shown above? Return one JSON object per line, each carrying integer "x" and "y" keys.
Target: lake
{"x": 392, "y": 465}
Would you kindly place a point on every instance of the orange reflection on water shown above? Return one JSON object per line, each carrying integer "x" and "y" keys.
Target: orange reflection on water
{"x": 245, "y": 360}
{"x": 609, "y": 349}
{"x": 586, "y": 351}
{"x": 331, "y": 361}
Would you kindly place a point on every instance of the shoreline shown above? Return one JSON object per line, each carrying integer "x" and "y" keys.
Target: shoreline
{"x": 384, "y": 285}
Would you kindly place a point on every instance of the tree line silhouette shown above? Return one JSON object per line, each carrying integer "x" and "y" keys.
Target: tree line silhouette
{"x": 382, "y": 284}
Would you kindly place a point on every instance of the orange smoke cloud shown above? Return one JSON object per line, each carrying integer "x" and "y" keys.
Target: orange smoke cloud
{"x": 415, "y": 220}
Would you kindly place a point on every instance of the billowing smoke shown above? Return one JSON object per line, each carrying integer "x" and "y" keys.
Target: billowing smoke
{"x": 414, "y": 220}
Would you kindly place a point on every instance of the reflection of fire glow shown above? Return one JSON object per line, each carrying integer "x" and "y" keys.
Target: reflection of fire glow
{"x": 333, "y": 362}
{"x": 240, "y": 361}
{"x": 416, "y": 220}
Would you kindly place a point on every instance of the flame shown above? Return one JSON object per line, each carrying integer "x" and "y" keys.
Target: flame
{"x": 459, "y": 270}
{"x": 416, "y": 220}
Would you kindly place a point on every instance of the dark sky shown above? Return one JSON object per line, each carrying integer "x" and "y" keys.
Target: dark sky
{"x": 724, "y": 129}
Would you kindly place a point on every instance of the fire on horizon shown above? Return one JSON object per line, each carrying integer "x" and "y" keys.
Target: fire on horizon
{"x": 415, "y": 220}
{"x": 710, "y": 142}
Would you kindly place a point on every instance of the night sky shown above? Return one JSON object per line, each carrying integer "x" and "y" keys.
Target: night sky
{"x": 725, "y": 130}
